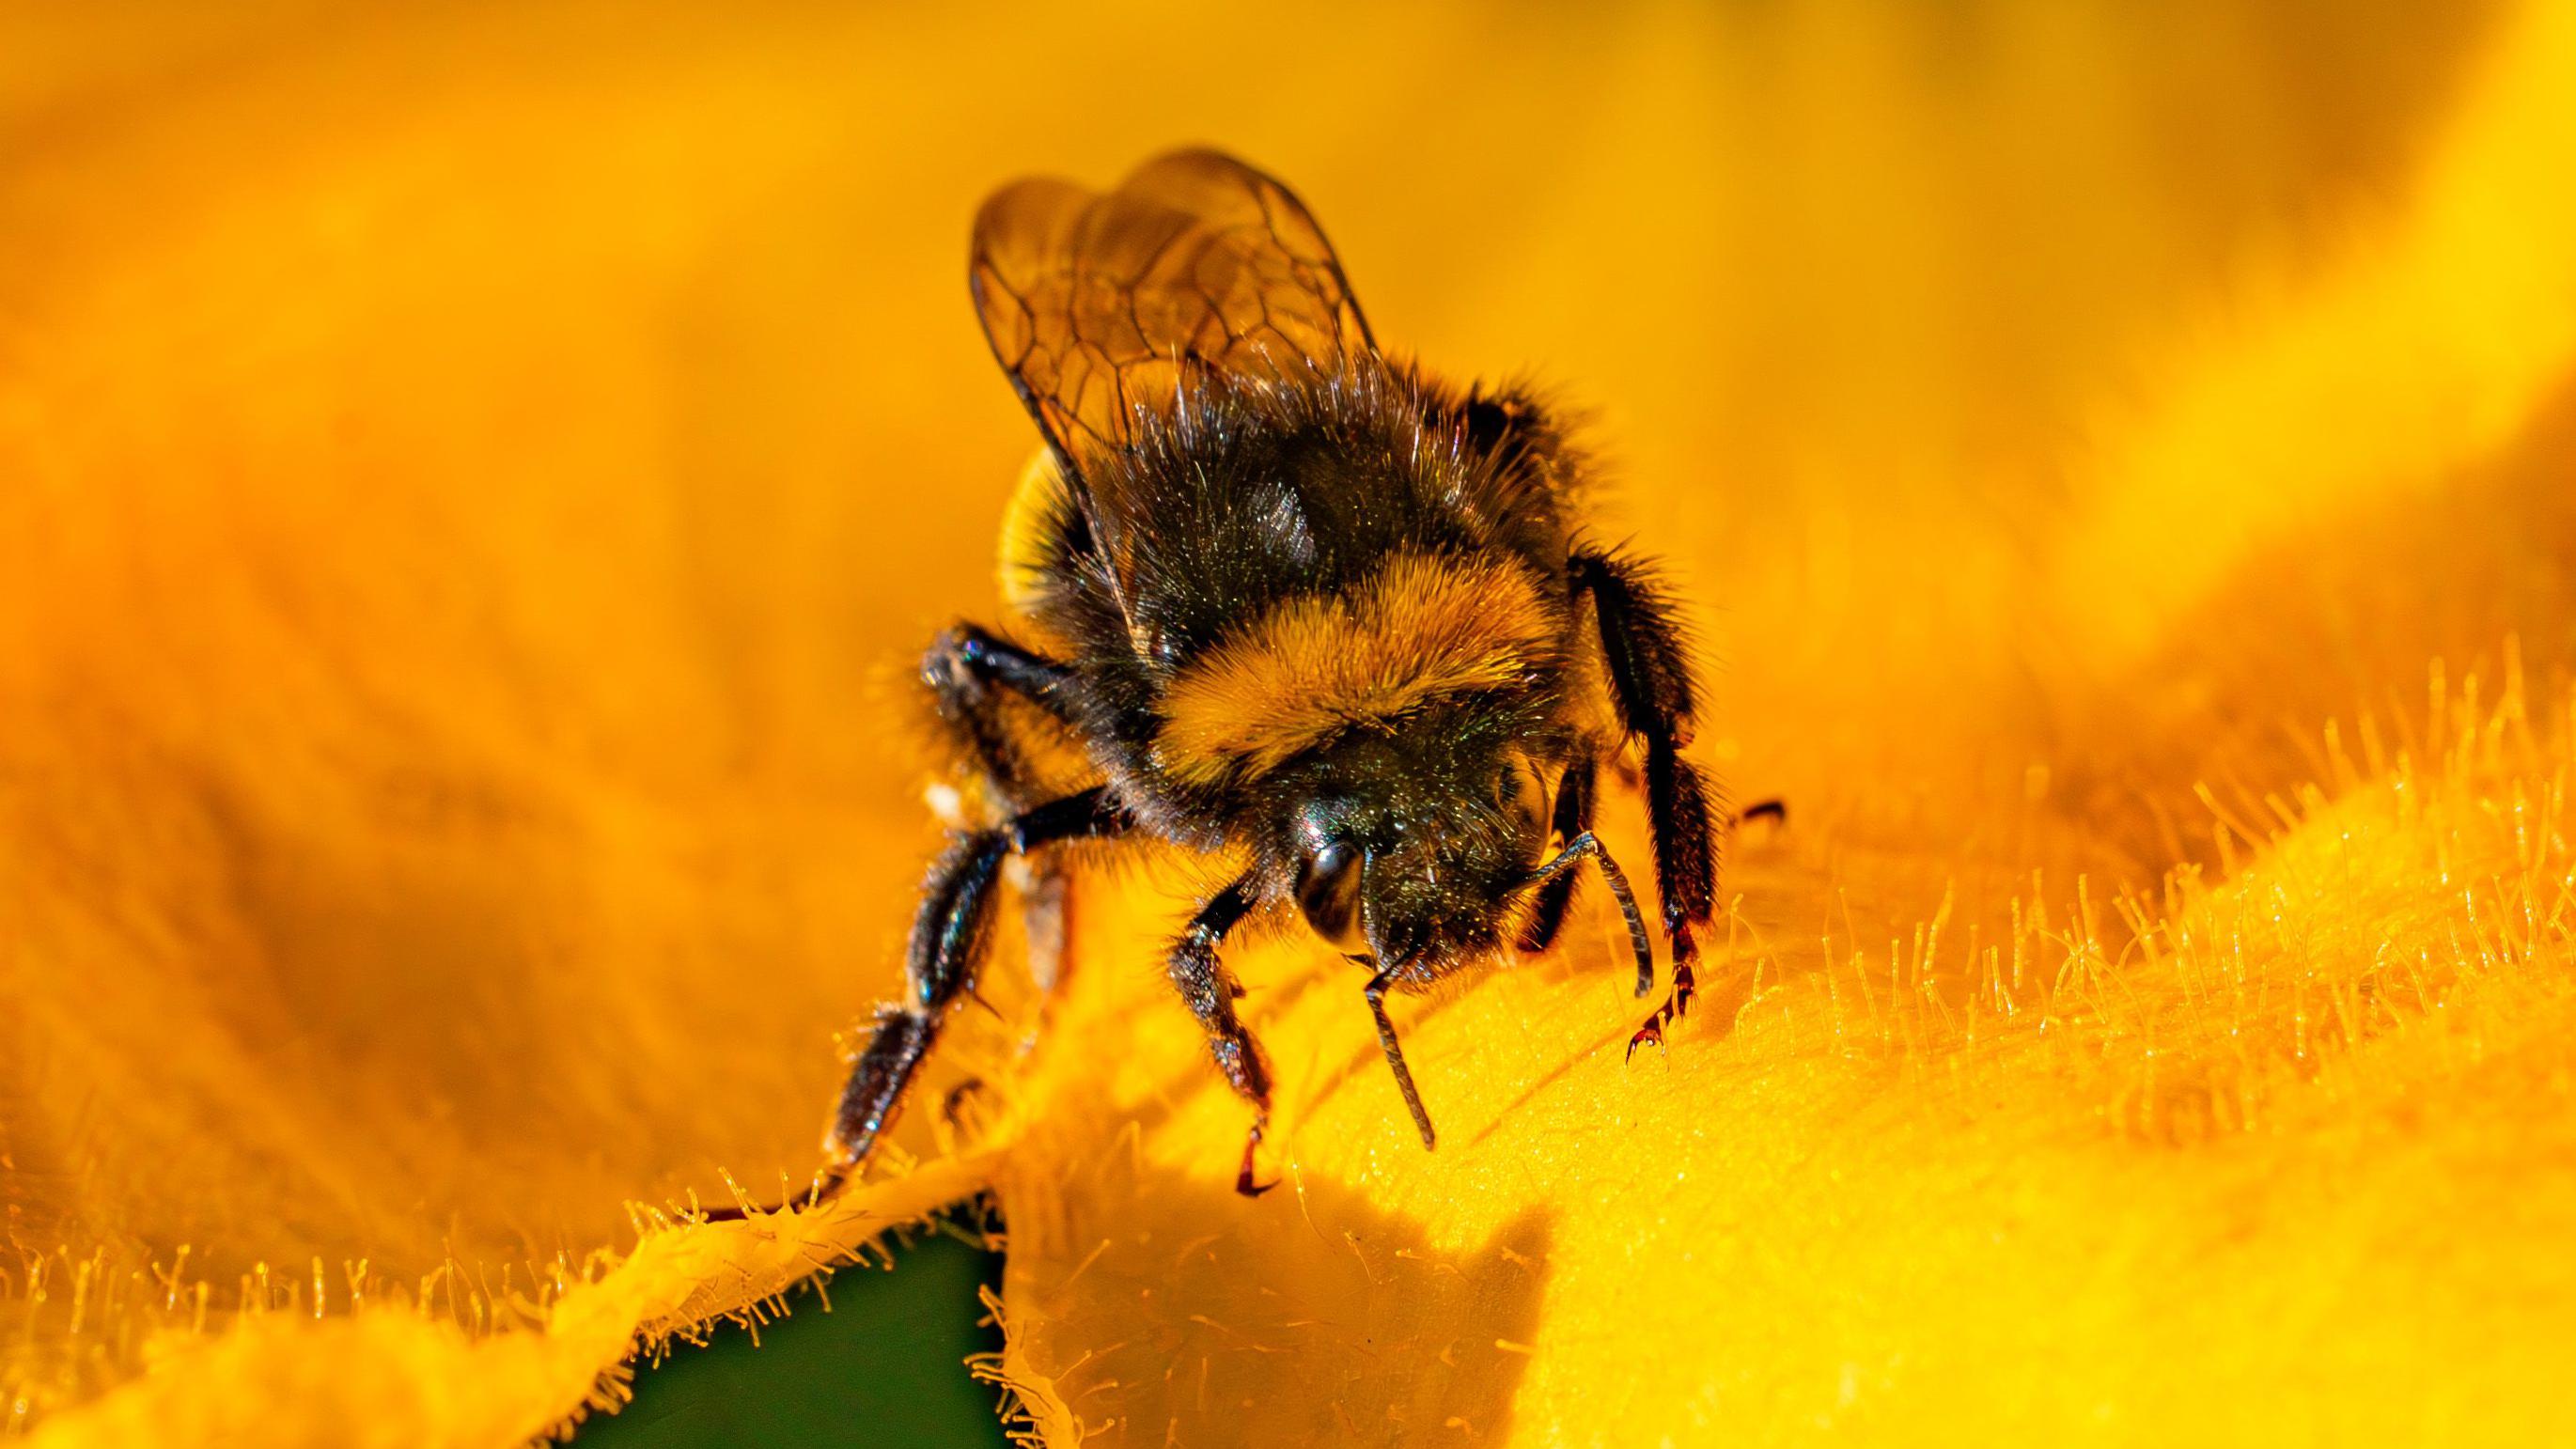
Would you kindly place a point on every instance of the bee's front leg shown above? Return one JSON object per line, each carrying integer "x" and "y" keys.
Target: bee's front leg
{"x": 1574, "y": 805}
{"x": 1650, "y": 682}
{"x": 1210, "y": 991}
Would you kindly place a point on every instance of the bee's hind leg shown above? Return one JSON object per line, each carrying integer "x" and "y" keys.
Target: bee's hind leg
{"x": 947, "y": 947}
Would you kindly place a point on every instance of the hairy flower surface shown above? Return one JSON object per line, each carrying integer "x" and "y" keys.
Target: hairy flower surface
{"x": 472, "y": 481}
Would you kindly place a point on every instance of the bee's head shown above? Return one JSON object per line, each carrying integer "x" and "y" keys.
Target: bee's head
{"x": 1414, "y": 851}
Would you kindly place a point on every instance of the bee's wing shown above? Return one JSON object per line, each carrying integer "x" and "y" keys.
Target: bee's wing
{"x": 1096, "y": 304}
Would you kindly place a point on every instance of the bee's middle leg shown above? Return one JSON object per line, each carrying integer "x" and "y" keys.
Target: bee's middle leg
{"x": 946, "y": 948}
{"x": 945, "y": 951}
{"x": 968, "y": 671}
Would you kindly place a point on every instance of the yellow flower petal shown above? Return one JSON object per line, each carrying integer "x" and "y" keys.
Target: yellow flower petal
{"x": 2291, "y": 1165}
{"x": 394, "y": 1376}
{"x": 1977, "y": 1139}
{"x": 461, "y": 471}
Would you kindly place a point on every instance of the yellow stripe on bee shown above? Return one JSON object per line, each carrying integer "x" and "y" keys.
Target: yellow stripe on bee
{"x": 1037, "y": 503}
{"x": 1420, "y": 629}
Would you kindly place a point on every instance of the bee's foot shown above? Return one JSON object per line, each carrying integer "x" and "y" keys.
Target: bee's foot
{"x": 1648, "y": 1035}
{"x": 1675, "y": 1007}
{"x": 1243, "y": 1180}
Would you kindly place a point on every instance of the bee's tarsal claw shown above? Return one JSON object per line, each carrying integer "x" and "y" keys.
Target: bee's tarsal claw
{"x": 1675, "y": 1007}
{"x": 1648, "y": 1035}
{"x": 1243, "y": 1179}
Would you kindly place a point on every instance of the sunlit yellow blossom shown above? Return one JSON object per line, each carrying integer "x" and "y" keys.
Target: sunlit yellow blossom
{"x": 472, "y": 478}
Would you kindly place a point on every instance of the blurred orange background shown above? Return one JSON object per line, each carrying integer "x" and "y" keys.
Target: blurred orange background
{"x": 472, "y": 480}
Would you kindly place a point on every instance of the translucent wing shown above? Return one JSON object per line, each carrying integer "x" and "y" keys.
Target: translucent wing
{"x": 1097, "y": 304}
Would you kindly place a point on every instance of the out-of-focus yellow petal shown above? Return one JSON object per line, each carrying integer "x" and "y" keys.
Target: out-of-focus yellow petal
{"x": 413, "y": 1376}
{"x": 464, "y": 473}
{"x": 446, "y": 787}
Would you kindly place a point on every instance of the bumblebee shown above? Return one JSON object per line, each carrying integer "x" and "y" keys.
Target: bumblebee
{"x": 1297, "y": 605}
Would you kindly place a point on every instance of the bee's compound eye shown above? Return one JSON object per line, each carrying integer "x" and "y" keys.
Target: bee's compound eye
{"x": 1328, "y": 891}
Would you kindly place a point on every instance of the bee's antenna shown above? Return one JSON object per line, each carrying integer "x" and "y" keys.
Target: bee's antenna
{"x": 1589, "y": 844}
{"x": 1376, "y": 993}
